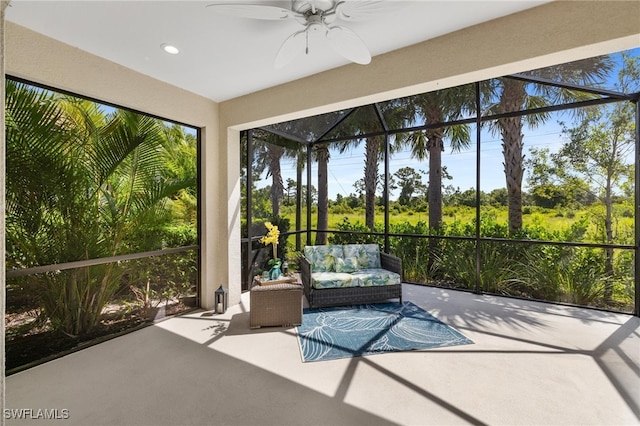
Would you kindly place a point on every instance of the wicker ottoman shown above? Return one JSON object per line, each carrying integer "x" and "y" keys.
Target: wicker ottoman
{"x": 276, "y": 305}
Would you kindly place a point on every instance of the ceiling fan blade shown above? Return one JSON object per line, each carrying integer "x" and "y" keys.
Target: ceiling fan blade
{"x": 348, "y": 44}
{"x": 253, "y": 11}
{"x": 293, "y": 46}
{"x": 360, "y": 10}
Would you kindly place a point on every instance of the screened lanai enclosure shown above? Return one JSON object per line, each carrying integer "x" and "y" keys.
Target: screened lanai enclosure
{"x": 522, "y": 186}
{"x": 101, "y": 221}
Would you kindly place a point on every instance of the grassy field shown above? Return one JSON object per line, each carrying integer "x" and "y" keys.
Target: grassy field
{"x": 575, "y": 275}
{"x": 552, "y": 220}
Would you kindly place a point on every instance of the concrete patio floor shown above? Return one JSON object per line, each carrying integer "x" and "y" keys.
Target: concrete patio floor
{"x": 531, "y": 364}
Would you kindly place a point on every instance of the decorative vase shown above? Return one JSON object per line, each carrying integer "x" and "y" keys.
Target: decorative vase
{"x": 275, "y": 271}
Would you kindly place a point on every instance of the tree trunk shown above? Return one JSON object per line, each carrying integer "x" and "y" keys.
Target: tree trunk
{"x": 323, "y": 195}
{"x": 436, "y": 146}
{"x": 277, "y": 186}
{"x": 434, "y": 192}
{"x": 608, "y": 225}
{"x": 372, "y": 150}
{"x": 512, "y": 99}
{"x": 299, "y": 205}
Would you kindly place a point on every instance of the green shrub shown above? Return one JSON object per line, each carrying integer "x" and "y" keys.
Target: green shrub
{"x": 340, "y": 209}
{"x": 530, "y": 270}
{"x": 627, "y": 213}
{"x": 360, "y": 234}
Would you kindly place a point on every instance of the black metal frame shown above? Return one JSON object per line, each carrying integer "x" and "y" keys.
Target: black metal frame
{"x": 607, "y": 96}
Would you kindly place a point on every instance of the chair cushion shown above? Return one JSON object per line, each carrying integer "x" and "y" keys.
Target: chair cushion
{"x": 374, "y": 277}
{"x": 321, "y": 280}
{"x": 361, "y": 278}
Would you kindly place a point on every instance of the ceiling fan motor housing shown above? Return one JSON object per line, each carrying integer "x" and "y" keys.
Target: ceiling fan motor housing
{"x": 312, "y": 6}
{"x": 315, "y": 23}
{"x": 317, "y": 17}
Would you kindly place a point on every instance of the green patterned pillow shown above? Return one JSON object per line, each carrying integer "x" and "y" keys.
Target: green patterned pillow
{"x": 368, "y": 255}
{"x": 322, "y": 258}
{"x": 347, "y": 264}
{"x": 373, "y": 255}
{"x": 329, "y": 263}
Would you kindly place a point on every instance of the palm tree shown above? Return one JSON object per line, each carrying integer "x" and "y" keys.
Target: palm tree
{"x": 301, "y": 162}
{"x": 268, "y": 153}
{"x": 374, "y": 150}
{"x": 440, "y": 106}
{"x": 515, "y": 95}
{"x": 181, "y": 151}
{"x": 275, "y": 153}
{"x": 269, "y": 150}
{"x": 322, "y": 157}
{"x": 79, "y": 183}
{"x": 395, "y": 114}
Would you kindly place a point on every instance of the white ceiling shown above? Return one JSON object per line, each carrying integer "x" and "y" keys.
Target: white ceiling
{"x": 223, "y": 57}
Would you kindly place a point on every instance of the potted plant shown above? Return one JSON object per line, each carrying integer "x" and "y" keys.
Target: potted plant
{"x": 272, "y": 238}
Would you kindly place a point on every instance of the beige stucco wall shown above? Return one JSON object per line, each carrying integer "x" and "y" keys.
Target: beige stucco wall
{"x": 552, "y": 33}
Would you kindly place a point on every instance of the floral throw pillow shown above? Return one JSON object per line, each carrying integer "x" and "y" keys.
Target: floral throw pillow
{"x": 322, "y": 258}
{"x": 346, "y": 265}
{"x": 368, "y": 255}
{"x": 328, "y": 264}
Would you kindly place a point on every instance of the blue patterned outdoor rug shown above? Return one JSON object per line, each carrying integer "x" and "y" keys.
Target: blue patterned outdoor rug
{"x": 351, "y": 331}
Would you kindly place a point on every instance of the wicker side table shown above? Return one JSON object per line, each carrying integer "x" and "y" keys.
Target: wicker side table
{"x": 275, "y": 305}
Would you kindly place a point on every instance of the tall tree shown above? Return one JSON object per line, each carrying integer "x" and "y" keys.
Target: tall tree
{"x": 600, "y": 150}
{"x": 410, "y": 182}
{"x": 322, "y": 156}
{"x": 301, "y": 162}
{"x": 437, "y": 107}
{"x": 275, "y": 170}
{"x": 374, "y": 149}
{"x": 373, "y": 119}
{"x": 511, "y": 95}
{"x": 550, "y": 186}
{"x": 268, "y": 149}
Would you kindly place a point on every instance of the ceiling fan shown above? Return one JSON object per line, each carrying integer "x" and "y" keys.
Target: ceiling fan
{"x": 317, "y": 17}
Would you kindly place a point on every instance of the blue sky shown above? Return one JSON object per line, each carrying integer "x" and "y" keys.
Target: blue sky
{"x": 345, "y": 168}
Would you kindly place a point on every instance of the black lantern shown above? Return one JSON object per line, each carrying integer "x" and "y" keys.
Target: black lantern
{"x": 220, "y": 300}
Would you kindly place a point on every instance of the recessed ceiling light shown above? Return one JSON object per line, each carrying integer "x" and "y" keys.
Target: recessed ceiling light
{"x": 170, "y": 49}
